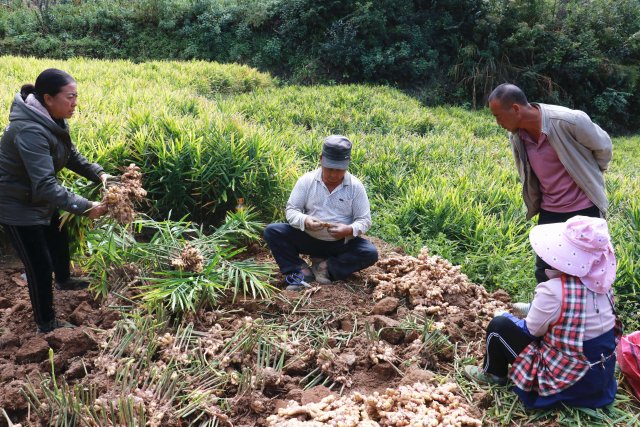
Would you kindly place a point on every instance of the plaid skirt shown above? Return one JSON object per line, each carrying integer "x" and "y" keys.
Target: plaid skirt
{"x": 597, "y": 388}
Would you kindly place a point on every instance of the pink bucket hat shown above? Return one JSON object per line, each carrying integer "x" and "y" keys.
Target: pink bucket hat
{"x": 580, "y": 247}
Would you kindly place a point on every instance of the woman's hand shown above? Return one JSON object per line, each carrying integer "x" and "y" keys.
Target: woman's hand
{"x": 97, "y": 210}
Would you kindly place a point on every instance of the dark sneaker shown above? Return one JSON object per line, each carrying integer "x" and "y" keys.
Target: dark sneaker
{"x": 72, "y": 284}
{"x": 308, "y": 274}
{"x": 54, "y": 324}
{"x": 476, "y": 374}
{"x": 296, "y": 281}
{"x": 320, "y": 269}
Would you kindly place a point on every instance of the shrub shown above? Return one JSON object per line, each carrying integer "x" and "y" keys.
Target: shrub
{"x": 582, "y": 54}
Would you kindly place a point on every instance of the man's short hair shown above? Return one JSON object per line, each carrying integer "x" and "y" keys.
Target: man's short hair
{"x": 508, "y": 94}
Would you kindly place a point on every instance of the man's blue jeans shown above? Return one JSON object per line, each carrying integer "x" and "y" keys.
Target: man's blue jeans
{"x": 287, "y": 243}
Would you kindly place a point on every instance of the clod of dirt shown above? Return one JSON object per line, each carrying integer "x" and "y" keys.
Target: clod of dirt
{"x": 384, "y": 371}
{"x": 411, "y": 336}
{"x": 83, "y": 314}
{"x": 71, "y": 342}
{"x": 9, "y": 372}
{"x": 109, "y": 318}
{"x": 59, "y": 364}
{"x": 259, "y": 406}
{"x": 18, "y": 307}
{"x": 34, "y": 350}
{"x": 5, "y": 302}
{"x": 11, "y": 398}
{"x": 270, "y": 377}
{"x": 403, "y": 312}
{"x": 386, "y": 305}
{"x": 77, "y": 369}
{"x": 299, "y": 364}
{"x": 349, "y": 359}
{"x": 417, "y": 375}
{"x": 8, "y": 340}
{"x": 270, "y": 381}
{"x": 279, "y": 404}
{"x": 389, "y": 329}
{"x": 346, "y": 324}
{"x": 314, "y": 394}
{"x": 483, "y": 399}
{"x": 295, "y": 394}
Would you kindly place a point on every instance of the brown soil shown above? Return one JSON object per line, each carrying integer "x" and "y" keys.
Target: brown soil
{"x": 24, "y": 355}
{"x": 360, "y": 365}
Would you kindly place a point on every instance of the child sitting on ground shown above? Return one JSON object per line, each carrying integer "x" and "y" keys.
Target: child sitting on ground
{"x": 564, "y": 350}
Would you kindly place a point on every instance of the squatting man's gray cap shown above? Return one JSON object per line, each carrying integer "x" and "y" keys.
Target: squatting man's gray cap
{"x": 336, "y": 152}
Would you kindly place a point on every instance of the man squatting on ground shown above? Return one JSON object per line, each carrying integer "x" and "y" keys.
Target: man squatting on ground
{"x": 327, "y": 212}
{"x": 560, "y": 155}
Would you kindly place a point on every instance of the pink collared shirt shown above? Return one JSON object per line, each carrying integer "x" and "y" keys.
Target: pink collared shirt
{"x": 560, "y": 193}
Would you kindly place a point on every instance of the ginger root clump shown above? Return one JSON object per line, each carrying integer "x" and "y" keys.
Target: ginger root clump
{"x": 121, "y": 196}
{"x": 417, "y": 405}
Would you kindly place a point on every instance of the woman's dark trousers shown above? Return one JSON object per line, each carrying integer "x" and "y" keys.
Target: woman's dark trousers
{"x": 43, "y": 250}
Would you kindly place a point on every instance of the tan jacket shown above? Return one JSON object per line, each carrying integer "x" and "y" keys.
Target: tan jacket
{"x": 583, "y": 148}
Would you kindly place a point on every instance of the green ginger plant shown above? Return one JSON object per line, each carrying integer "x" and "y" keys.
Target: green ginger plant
{"x": 160, "y": 275}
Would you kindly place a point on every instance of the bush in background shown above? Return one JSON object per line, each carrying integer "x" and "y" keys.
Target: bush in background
{"x": 583, "y": 54}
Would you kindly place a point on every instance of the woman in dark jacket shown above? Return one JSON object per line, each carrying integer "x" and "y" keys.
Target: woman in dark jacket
{"x": 35, "y": 146}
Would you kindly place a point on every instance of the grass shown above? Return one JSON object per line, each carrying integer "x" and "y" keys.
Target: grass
{"x": 505, "y": 409}
{"x": 206, "y": 135}
{"x": 443, "y": 177}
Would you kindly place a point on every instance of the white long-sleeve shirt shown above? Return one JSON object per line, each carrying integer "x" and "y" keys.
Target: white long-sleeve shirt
{"x": 346, "y": 204}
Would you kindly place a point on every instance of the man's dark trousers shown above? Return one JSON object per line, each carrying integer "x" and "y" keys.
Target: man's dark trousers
{"x": 287, "y": 243}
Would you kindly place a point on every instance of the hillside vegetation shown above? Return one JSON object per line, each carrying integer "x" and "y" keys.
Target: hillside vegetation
{"x": 206, "y": 134}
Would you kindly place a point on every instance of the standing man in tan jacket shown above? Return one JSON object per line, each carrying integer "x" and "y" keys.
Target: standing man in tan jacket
{"x": 560, "y": 155}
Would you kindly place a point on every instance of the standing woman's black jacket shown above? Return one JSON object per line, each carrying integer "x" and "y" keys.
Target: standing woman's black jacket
{"x": 33, "y": 149}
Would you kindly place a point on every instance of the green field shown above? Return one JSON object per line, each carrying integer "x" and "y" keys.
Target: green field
{"x": 206, "y": 134}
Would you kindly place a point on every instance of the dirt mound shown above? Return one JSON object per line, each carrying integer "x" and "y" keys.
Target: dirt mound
{"x": 24, "y": 354}
{"x": 434, "y": 287}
